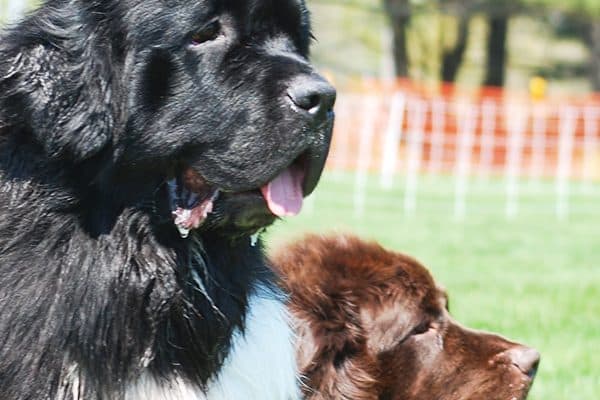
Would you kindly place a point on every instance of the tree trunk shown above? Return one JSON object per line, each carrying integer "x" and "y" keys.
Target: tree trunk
{"x": 496, "y": 51}
{"x": 399, "y": 14}
{"x": 452, "y": 58}
{"x": 594, "y": 45}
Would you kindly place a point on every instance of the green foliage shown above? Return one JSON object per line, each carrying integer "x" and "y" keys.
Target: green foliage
{"x": 583, "y": 7}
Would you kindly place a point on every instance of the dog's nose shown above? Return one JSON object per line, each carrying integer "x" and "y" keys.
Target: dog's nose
{"x": 313, "y": 95}
{"x": 525, "y": 358}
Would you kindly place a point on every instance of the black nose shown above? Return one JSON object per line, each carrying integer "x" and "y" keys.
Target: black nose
{"x": 312, "y": 95}
{"x": 526, "y": 359}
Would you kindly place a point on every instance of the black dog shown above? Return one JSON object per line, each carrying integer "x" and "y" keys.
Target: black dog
{"x": 125, "y": 126}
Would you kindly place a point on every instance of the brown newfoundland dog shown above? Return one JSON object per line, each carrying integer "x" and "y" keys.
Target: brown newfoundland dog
{"x": 373, "y": 324}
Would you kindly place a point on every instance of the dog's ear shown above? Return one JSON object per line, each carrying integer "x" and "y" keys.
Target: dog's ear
{"x": 331, "y": 349}
{"x": 60, "y": 92}
{"x": 388, "y": 321}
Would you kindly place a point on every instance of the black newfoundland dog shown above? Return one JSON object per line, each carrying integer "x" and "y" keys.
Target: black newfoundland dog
{"x": 143, "y": 144}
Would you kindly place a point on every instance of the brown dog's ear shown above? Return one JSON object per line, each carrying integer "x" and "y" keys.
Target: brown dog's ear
{"x": 332, "y": 352}
{"x": 387, "y": 323}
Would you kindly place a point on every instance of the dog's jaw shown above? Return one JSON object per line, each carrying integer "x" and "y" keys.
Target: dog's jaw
{"x": 191, "y": 197}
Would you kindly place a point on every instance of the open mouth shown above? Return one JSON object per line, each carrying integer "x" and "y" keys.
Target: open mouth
{"x": 192, "y": 198}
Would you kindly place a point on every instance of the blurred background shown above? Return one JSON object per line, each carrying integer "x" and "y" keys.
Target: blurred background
{"x": 468, "y": 135}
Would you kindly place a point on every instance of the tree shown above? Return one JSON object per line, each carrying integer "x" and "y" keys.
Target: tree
{"x": 496, "y": 50}
{"x": 452, "y": 57}
{"x": 593, "y": 42}
{"x": 398, "y": 12}
{"x": 498, "y": 14}
{"x": 591, "y": 32}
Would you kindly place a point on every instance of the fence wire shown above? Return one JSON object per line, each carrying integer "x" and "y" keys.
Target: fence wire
{"x": 501, "y": 145}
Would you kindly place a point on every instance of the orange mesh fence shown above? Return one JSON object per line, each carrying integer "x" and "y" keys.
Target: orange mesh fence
{"x": 484, "y": 131}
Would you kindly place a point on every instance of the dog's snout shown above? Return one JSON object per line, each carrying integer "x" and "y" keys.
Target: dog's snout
{"x": 526, "y": 359}
{"x": 312, "y": 95}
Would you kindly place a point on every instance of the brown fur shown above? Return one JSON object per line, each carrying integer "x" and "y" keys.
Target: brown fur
{"x": 373, "y": 325}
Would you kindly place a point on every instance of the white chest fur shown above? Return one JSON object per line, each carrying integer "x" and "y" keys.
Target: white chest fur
{"x": 261, "y": 364}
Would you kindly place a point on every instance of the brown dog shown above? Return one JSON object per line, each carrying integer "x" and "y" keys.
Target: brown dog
{"x": 372, "y": 324}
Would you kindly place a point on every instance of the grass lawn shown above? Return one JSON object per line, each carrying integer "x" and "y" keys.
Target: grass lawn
{"x": 533, "y": 278}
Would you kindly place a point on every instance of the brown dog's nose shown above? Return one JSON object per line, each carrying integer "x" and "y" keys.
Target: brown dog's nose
{"x": 525, "y": 358}
{"x": 313, "y": 95}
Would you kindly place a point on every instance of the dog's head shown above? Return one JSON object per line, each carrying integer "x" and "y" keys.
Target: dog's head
{"x": 215, "y": 99}
{"x": 374, "y": 325}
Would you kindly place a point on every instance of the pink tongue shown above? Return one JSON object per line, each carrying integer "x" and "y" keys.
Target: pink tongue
{"x": 284, "y": 193}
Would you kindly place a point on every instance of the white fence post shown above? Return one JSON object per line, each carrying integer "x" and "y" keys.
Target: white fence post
{"x": 568, "y": 125}
{"x": 365, "y": 153}
{"x": 591, "y": 118}
{"x": 467, "y": 123}
{"x": 414, "y": 139}
{"x": 539, "y": 128}
{"x": 438, "y": 127}
{"x": 516, "y": 118}
{"x": 391, "y": 140}
{"x": 489, "y": 112}
{"x": 342, "y": 135}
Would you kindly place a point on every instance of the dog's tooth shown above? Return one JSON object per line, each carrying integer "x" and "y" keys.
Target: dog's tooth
{"x": 254, "y": 237}
{"x": 182, "y": 215}
{"x": 183, "y": 232}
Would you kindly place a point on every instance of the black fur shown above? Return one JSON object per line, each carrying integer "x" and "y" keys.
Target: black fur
{"x": 100, "y": 103}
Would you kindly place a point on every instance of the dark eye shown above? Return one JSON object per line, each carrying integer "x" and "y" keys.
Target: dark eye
{"x": 423, "y": 327}
{"x": 206, "y": 34}
{"x": 418, "y": 330}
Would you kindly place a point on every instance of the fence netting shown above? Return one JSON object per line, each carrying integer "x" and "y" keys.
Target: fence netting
{"x": 397, "y": 134}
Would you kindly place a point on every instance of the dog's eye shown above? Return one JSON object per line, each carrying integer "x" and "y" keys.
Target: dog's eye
{"x": 208, "y": 33}
{"x": 420, "y": 329}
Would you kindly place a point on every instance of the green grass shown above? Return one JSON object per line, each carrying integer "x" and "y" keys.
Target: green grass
{"x": 532, "y": 278}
